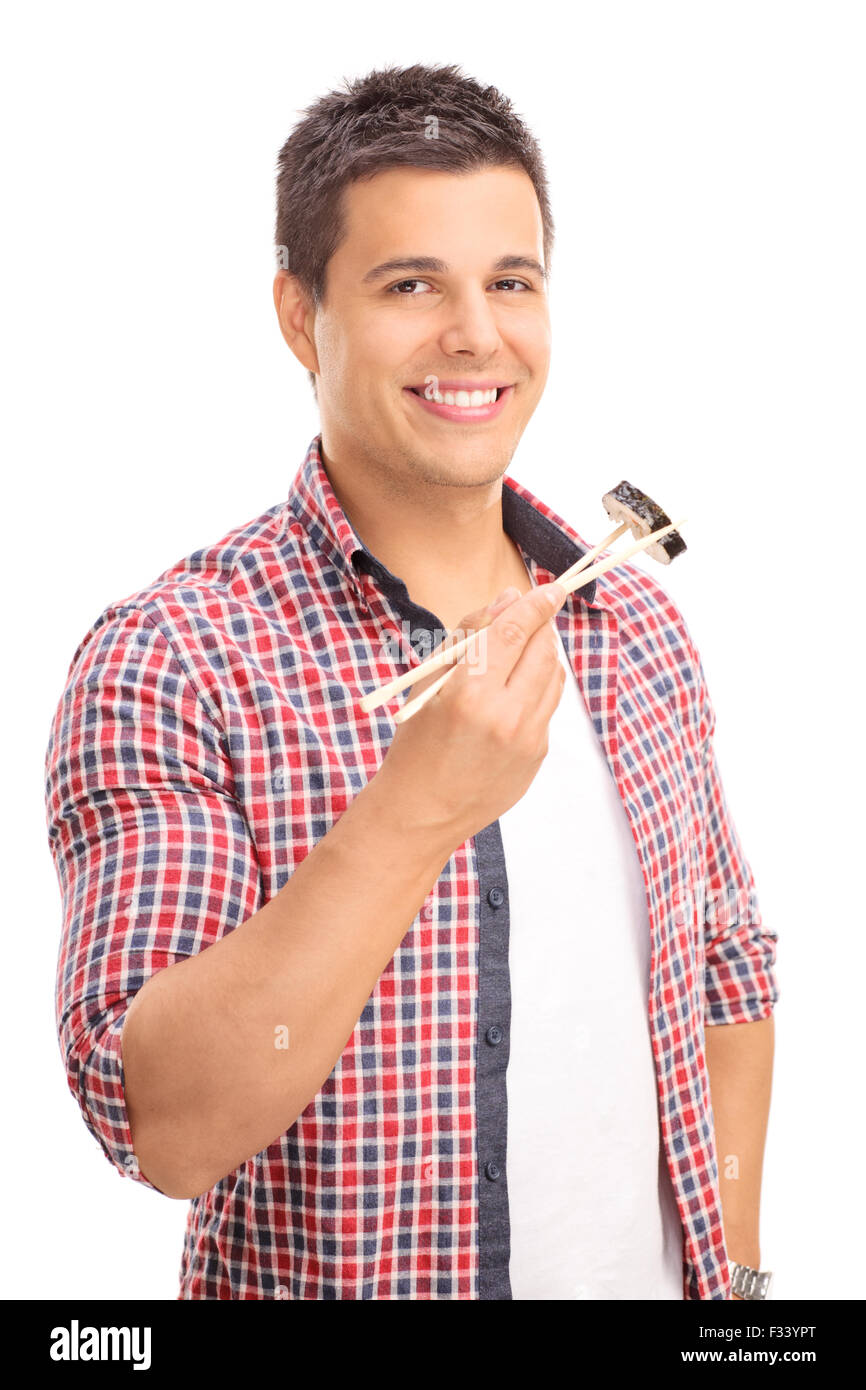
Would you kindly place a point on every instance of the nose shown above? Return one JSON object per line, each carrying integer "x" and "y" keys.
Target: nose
{"x": 470, "y": 325}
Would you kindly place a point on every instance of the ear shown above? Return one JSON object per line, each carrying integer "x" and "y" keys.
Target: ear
{"x": 296, "y": 318}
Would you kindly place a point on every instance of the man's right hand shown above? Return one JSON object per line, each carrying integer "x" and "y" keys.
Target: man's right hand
{"x": 471, "y": 752}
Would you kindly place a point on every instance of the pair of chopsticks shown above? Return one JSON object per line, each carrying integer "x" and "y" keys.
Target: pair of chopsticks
{"x": 574, "y": 578}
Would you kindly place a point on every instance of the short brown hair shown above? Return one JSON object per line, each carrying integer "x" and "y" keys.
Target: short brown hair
{"x": 383, "y": 121}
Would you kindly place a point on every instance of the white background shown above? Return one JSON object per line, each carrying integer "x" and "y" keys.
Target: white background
{"x": 709, "y": 303}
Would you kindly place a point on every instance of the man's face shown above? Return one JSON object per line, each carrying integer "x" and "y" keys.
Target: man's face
{"x": 388, "y": 338}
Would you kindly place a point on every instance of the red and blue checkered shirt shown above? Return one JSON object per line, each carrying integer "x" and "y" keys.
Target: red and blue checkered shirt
{"x": 209, "y": 735}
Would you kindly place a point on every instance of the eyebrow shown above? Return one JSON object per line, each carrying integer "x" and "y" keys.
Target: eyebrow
{"x": 430, "y": 265}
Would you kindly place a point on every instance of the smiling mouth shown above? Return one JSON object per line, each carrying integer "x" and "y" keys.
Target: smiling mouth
{"x": 462, "y": 399}
{"x": 463, "y": 407}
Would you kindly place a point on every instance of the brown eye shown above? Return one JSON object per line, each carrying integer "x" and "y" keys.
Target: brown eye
{"x": 394, "y": 288}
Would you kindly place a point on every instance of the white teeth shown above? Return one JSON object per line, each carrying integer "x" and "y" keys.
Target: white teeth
{"x": 470, "y": 400}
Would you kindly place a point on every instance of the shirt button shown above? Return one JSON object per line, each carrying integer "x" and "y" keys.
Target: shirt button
{"x": 494, "y": 1034}
{"x": 496, "y": 897}
{"x": 492, "y": 1170}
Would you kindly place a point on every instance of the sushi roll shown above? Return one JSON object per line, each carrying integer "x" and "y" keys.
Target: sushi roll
{"x": 628, "y": 504}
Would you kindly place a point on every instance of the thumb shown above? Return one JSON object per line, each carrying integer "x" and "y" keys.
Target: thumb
{"x": 482, "y": 617}
{"x": 502, "y": 600}
{"x": 473, "y": 622}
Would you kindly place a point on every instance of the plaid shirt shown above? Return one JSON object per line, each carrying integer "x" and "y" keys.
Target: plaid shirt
{"x": 209, "y": 735}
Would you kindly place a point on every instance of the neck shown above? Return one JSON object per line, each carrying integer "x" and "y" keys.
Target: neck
{"x": 447, "y": 544}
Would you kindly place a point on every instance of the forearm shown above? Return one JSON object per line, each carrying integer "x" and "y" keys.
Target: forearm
{"x": 207, "y": 1086}
{"x": 740, "y": 1064}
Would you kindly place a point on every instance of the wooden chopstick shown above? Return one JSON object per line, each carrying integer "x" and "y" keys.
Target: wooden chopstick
{"x": 444, "y": 654}
{"x": 590, "y": 555}
{"x": 412, "y": 706}
{"x": 573, "y": 578}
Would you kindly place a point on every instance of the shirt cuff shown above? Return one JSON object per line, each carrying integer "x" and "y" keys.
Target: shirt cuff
{"x": 742, "y": 989}
{"x": 94, "y": 1072}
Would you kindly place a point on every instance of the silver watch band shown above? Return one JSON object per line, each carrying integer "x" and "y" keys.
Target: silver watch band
{"x": 749, "y": 1283}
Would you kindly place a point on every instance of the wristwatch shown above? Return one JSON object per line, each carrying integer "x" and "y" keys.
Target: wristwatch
{"x": 749, "y": 1283}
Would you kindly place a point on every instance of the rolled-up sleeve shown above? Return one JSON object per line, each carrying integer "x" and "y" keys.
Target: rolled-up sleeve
{"x": 740, "y": 983}
{"x": 154, "y": 858}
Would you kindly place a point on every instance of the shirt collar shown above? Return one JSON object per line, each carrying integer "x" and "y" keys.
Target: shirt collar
{"x": 536, "y": 528}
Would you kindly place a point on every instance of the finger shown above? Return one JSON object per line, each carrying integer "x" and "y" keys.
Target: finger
{"x": 473, "y": 622}
{"x": 535, "y": 668}
{"x": 482, "y": 617}
{"x": 505, "y": 641}
{"x": 541, "y": 707}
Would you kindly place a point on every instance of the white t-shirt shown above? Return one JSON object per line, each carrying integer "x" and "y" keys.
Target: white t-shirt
{"x": 591, "y": 1203}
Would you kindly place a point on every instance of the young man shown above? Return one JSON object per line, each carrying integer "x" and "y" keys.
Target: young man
{"x": 428, "y": 1010}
